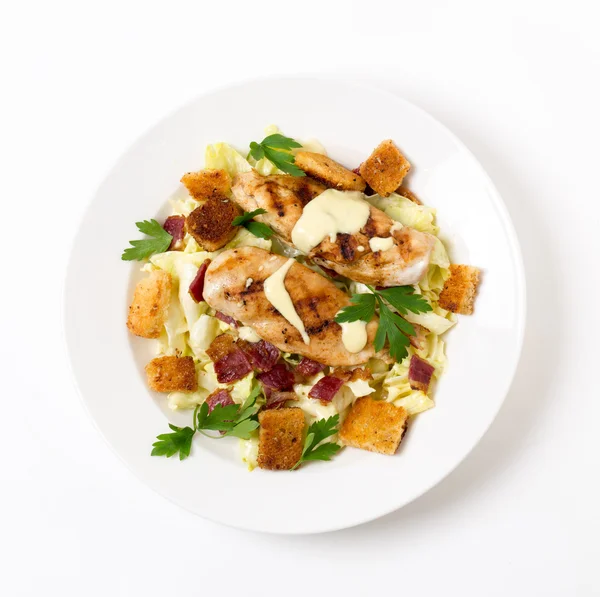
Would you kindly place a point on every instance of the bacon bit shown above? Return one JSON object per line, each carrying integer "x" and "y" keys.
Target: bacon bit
{"x": 419, "y": 374}
{"x": 228, "y": 320}
{"x": 308, "y": 367}
{"x": 326, "y": 388}
{"x": 278, "y": 399}
{"x": 197, "y": 285}
{"x": 222, "y": 397}
{"x": 278, "y": 378}
{"x": 342, "y": 374}
{"x": 263, "y": 355}
{"x": 232, "y": 367}
{"x": 175, "y": 226}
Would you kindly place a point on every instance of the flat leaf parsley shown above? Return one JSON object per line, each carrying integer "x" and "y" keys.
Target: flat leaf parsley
{"x": 276, "y": 148}
{"x": 140, "y": 249}
{"x": 232, "y": 420}
{"x": 257, "y": 228}
{"x": 317, "y": 432}
{"x": 392, "y": 327}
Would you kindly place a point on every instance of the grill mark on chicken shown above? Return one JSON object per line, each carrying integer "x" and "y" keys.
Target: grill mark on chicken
{"x": 284, "y": 197}
{"x": 315, "y": 299}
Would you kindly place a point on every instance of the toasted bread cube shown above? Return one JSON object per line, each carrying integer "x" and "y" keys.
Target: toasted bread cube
{"x": 148, "y": 310}
{"x": 211, "y": 223}
{"x": 207, "y": 183}
{"x": 281, "y": 438}
{"x": 458, "y": 294}
{"x": 221, "y": 346}
{"x": 385, "y": 168}
{"x": 409, "y": 195}
{"x": 172, "y": 374}
{"x": 329, "y": 172}
{"x": 374, "y": 425}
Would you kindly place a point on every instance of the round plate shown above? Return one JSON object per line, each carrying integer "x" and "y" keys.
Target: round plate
{"x": 357, "y": 486}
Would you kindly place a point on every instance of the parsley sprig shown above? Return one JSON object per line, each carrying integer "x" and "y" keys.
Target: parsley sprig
{"x": 140, "y": 249}
{"x": 317, "y": 432}
{"x": 392, "y": 327}
{"x": 232, "y": 420}
{"x": 276, "y": 148}
{"x": 257, "y": 228}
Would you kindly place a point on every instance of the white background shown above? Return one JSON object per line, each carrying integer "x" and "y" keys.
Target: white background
{"x": 516, "y": 81}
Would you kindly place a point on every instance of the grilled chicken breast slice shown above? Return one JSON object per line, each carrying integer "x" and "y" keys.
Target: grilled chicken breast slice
{"x": 316, "y": 300}
{"x": 284, "y": 198}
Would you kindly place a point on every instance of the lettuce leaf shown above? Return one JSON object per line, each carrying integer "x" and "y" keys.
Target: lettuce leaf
{"x": 406, "y": 212}
{"x": 223, "y": 156}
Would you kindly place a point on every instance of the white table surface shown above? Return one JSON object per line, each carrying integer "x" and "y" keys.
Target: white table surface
{"x": 517, "y": 81}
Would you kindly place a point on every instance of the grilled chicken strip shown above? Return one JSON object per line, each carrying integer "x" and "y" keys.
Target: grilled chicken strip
{"x": 316, "y": 300}
{"x": 284, "y": 197}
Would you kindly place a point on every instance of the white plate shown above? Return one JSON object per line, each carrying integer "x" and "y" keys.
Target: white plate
{"x": 356, "y": 486}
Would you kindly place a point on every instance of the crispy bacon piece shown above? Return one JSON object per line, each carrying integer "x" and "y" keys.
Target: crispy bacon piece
{"x": 175, "y": 226}
{"x": 197, "y": 285}
{"x": 326, "y": 388}
{"x": 419, "y": 373}
{"x": 329, "y": 272}
{"x": 222, "y": 397}
{"x": 232, "y": 367}
{"x": 308, "y": 367}
{"x": 278, "y": 399}
{"x": 263, "y": 355}
{"x": 228, "y": 320}
{"x": 278, "y": 378}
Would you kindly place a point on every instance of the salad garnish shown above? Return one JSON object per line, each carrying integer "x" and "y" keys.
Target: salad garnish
{"x": 257, "y": 228}
{"x": 391, "y": 326}
{"x": 276, "y": 148}
{"x": 140, "y": 249}
{"x": 317, "y": 432}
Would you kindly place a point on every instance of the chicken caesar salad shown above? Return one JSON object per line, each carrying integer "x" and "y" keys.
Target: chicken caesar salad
{"x": 296, "y": 304}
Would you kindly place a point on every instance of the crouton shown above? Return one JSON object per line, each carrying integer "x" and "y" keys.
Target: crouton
{"x": 221, "y": 346}
{"x": 374, "y": 425}
{"x": 211, "y": 223}
{"x": 329, "y": 172}
{"x": 385, "y": 168}
{"x": 207, "y": 183}
{"x": 458, "y": 294}
{"x": 409, "y": 195}
{"x": 281, "y": 437}
{"x": 148, "y": 310}
{"x": 172, "y": 374}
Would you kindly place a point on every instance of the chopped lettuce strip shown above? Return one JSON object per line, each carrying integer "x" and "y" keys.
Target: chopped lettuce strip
{"x": 249, "y": 451}
{"x": 406, "y": 212}
{"x": 223, "y": 156}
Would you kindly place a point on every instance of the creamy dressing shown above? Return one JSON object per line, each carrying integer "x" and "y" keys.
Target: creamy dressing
{"x": 354, "y": 335}
{"x": 328, "y": 214}
{"x": 248, "y": 334}
{"x": 279, "y": 297}
{"x": 377, "y": 243}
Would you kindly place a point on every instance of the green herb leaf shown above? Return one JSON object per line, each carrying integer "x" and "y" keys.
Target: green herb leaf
{"x": 170, "y": 444}
{"x": 276, "y": 148}
{"x": 362, "y": 308}
{"x": 317, "y": 432}
{"x": 247, "y": 217}
{"x": 244, "y": 429}
{"x": 403, "y": 298}
{"x": 257, "y": 228}
{"x": 392, "y": 327}
{"x": 140, "y": 249}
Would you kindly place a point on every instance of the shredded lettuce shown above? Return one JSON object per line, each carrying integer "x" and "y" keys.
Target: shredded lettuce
{"x": 439, "y": 269}
{"x": 249, "y": 451}
{"x": 171, "y": 259}
{"x": 415, "y": 403}
{"x": 437, "y": 321}
{"x": 245, "y": 238}
{"x": 174, "y": 342}
{"x": 202, "y": 333}
{"x": 406, "y": 212}
{"x": 183, "y": 400}
{"x": 183, "y": 206}
{"x": 223, "y": 156}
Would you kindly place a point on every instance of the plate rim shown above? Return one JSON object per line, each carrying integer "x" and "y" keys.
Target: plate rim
{"x": 520, "y": 290}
